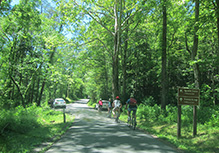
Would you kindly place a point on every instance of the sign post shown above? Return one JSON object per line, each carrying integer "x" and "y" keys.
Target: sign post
{"x": 64, "y": 117}
{"x": 179, "y": 122}
{"x": 188, "y": 97}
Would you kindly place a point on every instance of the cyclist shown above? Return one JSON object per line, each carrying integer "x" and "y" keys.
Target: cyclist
{"x": 100, "y": 104}
{"x": 117, "y": 105}
{"x": 109, "y": 107}
{"x": 132, "y": 102}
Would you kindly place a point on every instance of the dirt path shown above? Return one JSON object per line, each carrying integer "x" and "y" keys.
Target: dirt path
{"x": 93, "y": 132}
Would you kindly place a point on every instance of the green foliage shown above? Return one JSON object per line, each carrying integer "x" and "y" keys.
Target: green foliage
{"x": 206, "y": 98}
{"x": 151, "y": 113}
{"x": 211, "y": 116}
{"x": 19, "y": 120}
{"x": 146, "y": 112}
{"x": 205, "y": 116}
{"x": 23, "y": 128}
{"x": 66, "y": 50}
{"x": 149, "y": 101}
{"x": 92, "y": 103}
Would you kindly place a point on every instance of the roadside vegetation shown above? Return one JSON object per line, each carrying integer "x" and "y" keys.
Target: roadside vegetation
{"x": 23, "y": 129}
{"x": 164, "y": 126}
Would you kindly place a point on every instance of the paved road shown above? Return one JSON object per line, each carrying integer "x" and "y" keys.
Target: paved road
{"x": 93, "y": 132}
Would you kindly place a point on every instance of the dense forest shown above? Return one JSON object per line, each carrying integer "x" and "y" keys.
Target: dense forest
{"x": 103, "y": 48}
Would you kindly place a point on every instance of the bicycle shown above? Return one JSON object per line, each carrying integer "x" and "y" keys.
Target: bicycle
{"x": 132, "y": 121}
{"x": 117, "y": 114}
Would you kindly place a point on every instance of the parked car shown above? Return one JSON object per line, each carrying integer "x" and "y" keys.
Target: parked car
{"x": 105, "y": 104}
{"x": 59, "y": 103}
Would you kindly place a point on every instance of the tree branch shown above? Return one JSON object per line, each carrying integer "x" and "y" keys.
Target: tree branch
{"x": 130, "y": 17}
{"x": 99, "y": 22}
{"x": 4, "y": 33}
{"x": 19, "y": 90}
{"x": 187, "y": 47}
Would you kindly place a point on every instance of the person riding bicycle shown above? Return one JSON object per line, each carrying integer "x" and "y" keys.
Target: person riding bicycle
{"x": 132, "y": 102}
{"x": 117, "y": 105}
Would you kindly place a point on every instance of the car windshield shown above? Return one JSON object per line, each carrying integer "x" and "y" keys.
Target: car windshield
{"x": 60, "y": 100}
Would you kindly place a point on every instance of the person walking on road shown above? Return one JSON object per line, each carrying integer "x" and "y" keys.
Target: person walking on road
{"x": 109, "y": 108}
{"x": 116, "y": 110}
{"x": 132, "y": 102}
{"x": 100, "y": 104}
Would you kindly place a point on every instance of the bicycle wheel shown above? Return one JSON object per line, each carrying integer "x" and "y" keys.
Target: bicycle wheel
{"x": 129, "y": 122}
{"x": 134, "y": 123}
{"x": 117, "y": 116}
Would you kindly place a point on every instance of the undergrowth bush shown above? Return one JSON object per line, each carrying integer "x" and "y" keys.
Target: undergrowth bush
{"x": 149, "y": 113}
{"x": 205, "y": 115}
{"x": 92, "y": 103}
{"x": 18, "y": 120}
{"x": 23, "y": 128}
{"x": 213, "y": 118}
{"x": 164, "y": 125}
{"x": 22, "y": 120}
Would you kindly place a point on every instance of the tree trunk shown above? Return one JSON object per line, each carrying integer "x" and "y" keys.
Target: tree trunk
{"x": 164, "y": 60}
{"x": 41, "y": 93}
{"x": 115, "y": 86}
{"x": 195, "y": 47}
{"x": 106, "y": 86}
{"x": 217, "y": 60}
{"x": 32, "y": 91}
{"x": 195, "y": 66}
{"x": 37, "y": 90}
{"x": 217, "y": 14}
{"x": 124, "y": 65}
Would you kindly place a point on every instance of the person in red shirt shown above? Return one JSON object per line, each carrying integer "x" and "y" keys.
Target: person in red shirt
{"x": 132, "y": 103}
{"x": 100, "y": 104}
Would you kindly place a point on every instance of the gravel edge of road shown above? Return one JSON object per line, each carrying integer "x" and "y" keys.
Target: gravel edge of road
{"x": 163, "y": 141}
{"x": 41, "y": 148}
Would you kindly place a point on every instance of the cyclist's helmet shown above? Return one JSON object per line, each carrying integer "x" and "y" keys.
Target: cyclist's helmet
{"x": 117, "y": 97}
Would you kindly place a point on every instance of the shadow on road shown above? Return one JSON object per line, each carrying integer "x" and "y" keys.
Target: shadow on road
{"x": 92, "y": 132}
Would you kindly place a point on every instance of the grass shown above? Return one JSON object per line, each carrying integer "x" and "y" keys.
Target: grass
{"x": 206, "y": 140}
{"x": 18, "y": 136}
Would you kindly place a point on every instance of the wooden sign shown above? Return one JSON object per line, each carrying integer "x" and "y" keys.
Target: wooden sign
{"x": 188, "y": 96}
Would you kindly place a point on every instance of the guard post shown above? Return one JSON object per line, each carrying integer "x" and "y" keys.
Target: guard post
{"x": 64, "y": 118}
{"x": 188, "y": 97}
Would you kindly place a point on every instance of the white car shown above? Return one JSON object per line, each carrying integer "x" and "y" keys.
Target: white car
{"x": 105, "y": 104}
{"x": 59, "y": 102}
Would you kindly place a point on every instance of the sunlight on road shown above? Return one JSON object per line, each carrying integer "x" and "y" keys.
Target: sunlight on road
{"x": 93, "y": 132}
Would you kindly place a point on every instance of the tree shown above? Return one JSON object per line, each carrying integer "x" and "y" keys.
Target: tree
{"x": 164, "y": 44}
{"x": 111, "y": 10}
